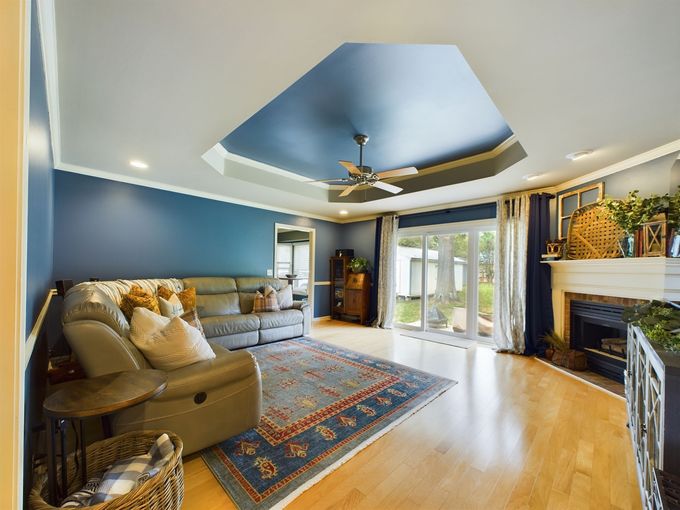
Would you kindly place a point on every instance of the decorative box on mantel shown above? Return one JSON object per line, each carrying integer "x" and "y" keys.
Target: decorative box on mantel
{"x": 641, "y": 278}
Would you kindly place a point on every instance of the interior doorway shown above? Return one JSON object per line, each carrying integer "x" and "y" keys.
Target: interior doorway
{"x": 294, "y": 259}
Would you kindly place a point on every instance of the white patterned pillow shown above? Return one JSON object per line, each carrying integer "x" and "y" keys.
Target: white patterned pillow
{"x": 285, "y": 297}
{"x": 176, "y": 345}
{"x": 171, "y": 307}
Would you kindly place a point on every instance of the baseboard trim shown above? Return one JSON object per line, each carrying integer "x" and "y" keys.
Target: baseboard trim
{"x": 579, "y": 379}
{"x": 33, "y": 335}
{"x": 322, "y": 318}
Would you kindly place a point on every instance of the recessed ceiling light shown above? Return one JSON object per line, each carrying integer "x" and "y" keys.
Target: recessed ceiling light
{"x": 530, "y": 177}
{"x": 138, "y": 164}
{"x": 579, "y": 154}
{"x": 344, "y": 213}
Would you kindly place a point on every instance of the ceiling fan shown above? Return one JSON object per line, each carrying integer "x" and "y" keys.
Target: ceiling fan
{"x": 364, "y": 175}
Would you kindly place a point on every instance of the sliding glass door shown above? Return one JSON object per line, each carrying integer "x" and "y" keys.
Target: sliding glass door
{"x": 444, "y": 279}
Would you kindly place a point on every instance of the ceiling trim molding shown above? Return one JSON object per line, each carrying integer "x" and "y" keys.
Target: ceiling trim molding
{"x": 48, "y": 41}
{"x": 218, "y": 151}
{"x": 636, "y": 160}
{"x": 148, "y": 183}
{"x": 470, "y": 160}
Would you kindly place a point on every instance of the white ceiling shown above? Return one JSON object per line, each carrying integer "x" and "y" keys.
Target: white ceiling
{"x": 164, "y": 80}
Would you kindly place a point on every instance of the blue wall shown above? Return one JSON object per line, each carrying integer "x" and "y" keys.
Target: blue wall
{"x": 40, "y": 182}
{"x": 108, "y": 229}
{"x": 451, "y": 215}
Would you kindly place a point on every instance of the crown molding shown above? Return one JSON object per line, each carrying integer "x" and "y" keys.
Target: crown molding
{"x": 48, "y": 41}
{"x": 636, "y": 160}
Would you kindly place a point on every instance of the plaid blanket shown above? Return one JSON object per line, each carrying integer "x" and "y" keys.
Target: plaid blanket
{"x": 125, "y": 475}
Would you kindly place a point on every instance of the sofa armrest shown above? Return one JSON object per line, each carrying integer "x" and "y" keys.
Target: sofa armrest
{"x": 87, "y": 302}
{"x": 227, "y": 367}
{"x": 306, "y": 310}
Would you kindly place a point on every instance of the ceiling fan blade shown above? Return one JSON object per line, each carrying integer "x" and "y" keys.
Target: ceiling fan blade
{"x": 348, "y": 190}
{"x": 409, "y": 170}
{"x": 339, "y": 179}
{"x": 387, "y": 187}
{"x": 351, "y": 167}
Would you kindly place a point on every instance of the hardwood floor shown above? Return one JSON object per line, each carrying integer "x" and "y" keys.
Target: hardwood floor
{"x": 513, "y": 433}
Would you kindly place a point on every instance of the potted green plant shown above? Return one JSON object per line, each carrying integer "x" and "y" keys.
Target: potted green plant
{"x": 658, "y": 320}
{"x": 359, "y": 265}
{"x": 631, "y": 212}
{"x": 560, "y": 353}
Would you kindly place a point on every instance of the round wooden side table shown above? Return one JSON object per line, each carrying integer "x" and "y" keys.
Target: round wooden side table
{"x": 92, "y": 398}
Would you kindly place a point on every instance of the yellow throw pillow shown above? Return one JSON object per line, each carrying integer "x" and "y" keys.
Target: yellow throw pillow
{"x": 136, "y": 290}
{"x": 164, "y": 292}
{"x": 187, "y": 297}
{"x": 129, "y": 302}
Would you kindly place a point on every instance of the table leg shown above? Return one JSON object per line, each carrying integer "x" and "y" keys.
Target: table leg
{"x": 106, "y": 425}
{"x": 64, "y": 473}
{"x": 83, "y": 461}
{"x": 51, "y": 462}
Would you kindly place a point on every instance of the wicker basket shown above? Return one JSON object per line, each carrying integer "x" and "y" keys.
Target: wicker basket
{"x": 593, "y": 235}
{"x": 165, "y": 491}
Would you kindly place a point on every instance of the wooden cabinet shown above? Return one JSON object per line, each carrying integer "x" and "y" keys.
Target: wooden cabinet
{"x": 350, "y": 292}
{"x": 653, "y": 401}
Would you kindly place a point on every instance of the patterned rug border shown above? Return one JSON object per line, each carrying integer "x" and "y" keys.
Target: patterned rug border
{"x": 440, "y": 388}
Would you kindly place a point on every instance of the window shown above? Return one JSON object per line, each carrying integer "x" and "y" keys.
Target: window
{"x": 569, "y": 202}
{"x": 445, "y": 278}
{"x": 284, "y": 260}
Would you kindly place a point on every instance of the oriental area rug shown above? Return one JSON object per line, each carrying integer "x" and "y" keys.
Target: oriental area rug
{"x": 321, "y": 405}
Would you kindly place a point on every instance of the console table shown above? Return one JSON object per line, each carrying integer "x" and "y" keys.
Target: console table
{"x": 652, "y": 380}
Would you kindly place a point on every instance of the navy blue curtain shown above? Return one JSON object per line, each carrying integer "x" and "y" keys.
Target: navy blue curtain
{"x": 373, "y": 308}
{"x": 539, "y": 311}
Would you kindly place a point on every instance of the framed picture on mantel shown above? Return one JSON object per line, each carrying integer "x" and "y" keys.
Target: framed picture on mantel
{"x": 568, "y": 202}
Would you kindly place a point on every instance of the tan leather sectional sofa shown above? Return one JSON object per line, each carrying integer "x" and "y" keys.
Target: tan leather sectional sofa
{"x": 208, "y": 401}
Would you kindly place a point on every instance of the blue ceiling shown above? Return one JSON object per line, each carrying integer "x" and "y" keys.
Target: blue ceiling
{"x": 419, "y": 104}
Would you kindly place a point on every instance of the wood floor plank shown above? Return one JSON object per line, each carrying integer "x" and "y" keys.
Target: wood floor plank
{"x": 513, "y": 433}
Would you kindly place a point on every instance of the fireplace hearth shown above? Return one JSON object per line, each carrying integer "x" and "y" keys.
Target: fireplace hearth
{"x": 597, "y": 329}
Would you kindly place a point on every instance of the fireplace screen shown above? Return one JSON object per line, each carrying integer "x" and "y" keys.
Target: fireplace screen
{"x": 597, "y": 329}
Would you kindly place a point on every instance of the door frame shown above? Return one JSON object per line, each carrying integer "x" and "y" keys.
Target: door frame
{"x": 15, "y": 37}
{"x": 472, "y": 228}
{"x": 312, "y": 259}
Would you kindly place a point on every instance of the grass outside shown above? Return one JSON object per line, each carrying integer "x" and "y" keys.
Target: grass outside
{"x": 409, "y": 311}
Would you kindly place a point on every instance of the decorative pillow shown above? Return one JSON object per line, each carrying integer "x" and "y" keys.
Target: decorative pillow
{"x": 164, "y": 292}
{"x": 266, "y": 302}
{"x": 192, "y": 319}
{"x": 171, "y": 307}
{"x": 125, "y": 475}
{"x": 82, "y": 497}
{"x": 187, "y": 297}
{"x": 285, "y": 297}
{"x": 130, "y": 301}
{"x": 136, "y": 290}
{"x": 145, "y": 324}
{"x": 175, "y": 346}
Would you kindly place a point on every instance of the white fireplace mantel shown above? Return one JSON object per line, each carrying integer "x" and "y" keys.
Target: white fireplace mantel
{"x": 638, "y": 278}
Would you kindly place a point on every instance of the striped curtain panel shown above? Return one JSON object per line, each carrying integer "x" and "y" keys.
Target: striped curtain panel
{"x": 513, "y": 228}
{"x": 386, "y": 271}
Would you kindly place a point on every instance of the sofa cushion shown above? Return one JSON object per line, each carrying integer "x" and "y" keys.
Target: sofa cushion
{"x": 211, "y": 284}
{"x": 229, "y": 324}
{"x": 210, "y": 305}
{"x": 88, "y": 302}
{"x": 255, "y": 283}
{"x": 270, "y": 320}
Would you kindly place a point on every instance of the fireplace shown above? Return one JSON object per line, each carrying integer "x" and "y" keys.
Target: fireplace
{"x": 596, "y": 328}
